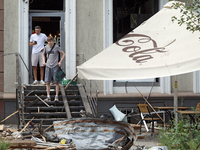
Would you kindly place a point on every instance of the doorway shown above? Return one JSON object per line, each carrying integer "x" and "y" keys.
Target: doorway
{"x": 52, "y": 24}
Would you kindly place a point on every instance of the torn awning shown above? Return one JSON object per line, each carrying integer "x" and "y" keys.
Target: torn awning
{"x": 157, "y": 48}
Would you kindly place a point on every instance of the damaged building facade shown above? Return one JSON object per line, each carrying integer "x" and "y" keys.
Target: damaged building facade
{"x": 82, "y": 28}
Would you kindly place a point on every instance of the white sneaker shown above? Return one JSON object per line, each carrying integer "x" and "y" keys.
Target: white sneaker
{"x": 35, "y": 82}
{"x": 42, "y": 82}
{"x": 56, "y": 99}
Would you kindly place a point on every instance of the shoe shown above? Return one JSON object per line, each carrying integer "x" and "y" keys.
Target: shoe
{"x": 56, "y": 99}
{"x": 48, "y": 99}
{"x": 35, "y": 82}
{"x": 42, "y": 82}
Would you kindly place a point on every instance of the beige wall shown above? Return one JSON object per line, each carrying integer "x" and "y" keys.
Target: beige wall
{"x": 89, "y": 29}
{"x": 10, "y": 43}
{"x": 185, "y": 82}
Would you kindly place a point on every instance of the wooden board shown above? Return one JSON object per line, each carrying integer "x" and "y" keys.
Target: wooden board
{"x": 84, "y": 99}
{"x": 1, "y": 127}
{"x": 21, "y": 143}
{"x": 65, "y": 102}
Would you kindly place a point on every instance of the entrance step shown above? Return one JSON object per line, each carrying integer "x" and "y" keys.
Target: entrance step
{"x": 47, "y": 112}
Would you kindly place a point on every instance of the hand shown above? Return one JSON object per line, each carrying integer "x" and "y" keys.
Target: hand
{"x": 44, "y": 64}
{"x": 42, "y": 50}
{"x": 33, "y": 43}
{"x": 59, "y": 64}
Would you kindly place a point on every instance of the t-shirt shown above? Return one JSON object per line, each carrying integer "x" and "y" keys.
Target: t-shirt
{"x": 41, "y": 38}
{"x": 52, "y": 60}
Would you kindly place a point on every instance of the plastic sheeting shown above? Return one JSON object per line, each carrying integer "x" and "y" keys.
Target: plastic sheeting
{"x": 96, "y": 133}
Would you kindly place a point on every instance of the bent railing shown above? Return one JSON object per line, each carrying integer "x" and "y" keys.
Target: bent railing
{"x": 90, "y": 86}
{"x": 18, "y": 83}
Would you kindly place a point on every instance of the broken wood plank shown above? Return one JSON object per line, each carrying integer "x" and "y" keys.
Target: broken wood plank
{"x": 71, "y": 81}
{"x": 65, "y": 102}
{"x": 23, "y": 128}
{"x": 1, "y": 127}
{"x": 84, "y": 99}
{"x": 42, "y": 100}
{"x": 21, "y": 143}
{"x": 10, "y": 115}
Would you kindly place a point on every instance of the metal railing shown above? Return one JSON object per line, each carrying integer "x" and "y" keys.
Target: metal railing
{"x": 18, "y": 83}
{"x": 91, "y": 88}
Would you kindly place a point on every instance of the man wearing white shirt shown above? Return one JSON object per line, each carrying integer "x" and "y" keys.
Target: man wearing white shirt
{"x": 37, "y": 42}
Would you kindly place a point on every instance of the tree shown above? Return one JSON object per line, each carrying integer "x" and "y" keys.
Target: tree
{"x": 190, "y": 14}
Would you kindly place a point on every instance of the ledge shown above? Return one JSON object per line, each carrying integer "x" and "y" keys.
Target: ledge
{"x": 6, "y": 96}
{"x": 152, "y": 95}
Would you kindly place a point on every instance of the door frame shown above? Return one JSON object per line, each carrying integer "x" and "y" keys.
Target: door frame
{"x": 62, "y": 32}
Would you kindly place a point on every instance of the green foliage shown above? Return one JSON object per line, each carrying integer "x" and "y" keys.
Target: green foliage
{"x": 183, "y": 136}
{"x": 190, "y": 14}
{"x": 3, "y": 145}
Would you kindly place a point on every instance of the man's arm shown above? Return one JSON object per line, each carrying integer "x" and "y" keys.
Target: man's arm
{"x": 63, "y": 56}
{"x": 32, "y": 43}
{"x": 43, "y": 57}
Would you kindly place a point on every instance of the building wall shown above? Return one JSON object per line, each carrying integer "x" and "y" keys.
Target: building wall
{"x": 185, "y": 82}
{"x": 11, "y": 36}
{"x": 1, "y": 45}
{"x": 89, "y": 30}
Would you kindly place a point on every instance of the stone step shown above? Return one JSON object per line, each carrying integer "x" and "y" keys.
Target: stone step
{"x": 69, "y": 97}
{"x": 50, "y": 115}
{"x": 43, "y": 87}
{"x": 54, "y": 109}
{"x": 53, "y": 92}
{"x": 72, "y": 102}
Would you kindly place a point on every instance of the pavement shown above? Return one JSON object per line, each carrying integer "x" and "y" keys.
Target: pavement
{"x": 149, "y": 140}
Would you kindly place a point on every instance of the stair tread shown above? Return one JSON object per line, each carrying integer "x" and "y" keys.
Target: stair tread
{"x": 46, "y": 119}
{"x": 57, "y": 111}
{"x": 49, "y": 113}
{"x": 54, "y": 107}
{"x": 43, "y": 87}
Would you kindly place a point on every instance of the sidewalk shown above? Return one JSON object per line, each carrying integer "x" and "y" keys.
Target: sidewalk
{"x": 148, "y": 141}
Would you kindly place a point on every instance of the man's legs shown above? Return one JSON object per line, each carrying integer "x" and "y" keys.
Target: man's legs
{"x": 57, "y": 88}
{"x": 48, "y": 92}
{"x": 41, "y": 68}
{"x": 41, "y": 73}
{"x": 48, "y": 88}
{"x": 35, "y": 72}
{"x": 34, "y": 59}
{"x": 57, "y": 92}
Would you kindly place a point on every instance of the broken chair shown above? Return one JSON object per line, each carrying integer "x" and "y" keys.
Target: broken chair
{"x": 146, "y": 115}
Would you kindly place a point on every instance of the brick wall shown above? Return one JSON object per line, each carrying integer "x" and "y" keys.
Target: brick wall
{"x": 1, "y": 45}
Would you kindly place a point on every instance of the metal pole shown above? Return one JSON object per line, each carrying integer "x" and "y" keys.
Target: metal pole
{"x": 175, "y": 100}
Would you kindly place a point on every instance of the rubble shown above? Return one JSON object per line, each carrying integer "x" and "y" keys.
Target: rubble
{"x": 77, "y": 133}
{"x": 96, "y": 133}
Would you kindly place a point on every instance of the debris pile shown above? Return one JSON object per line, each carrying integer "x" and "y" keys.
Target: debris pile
{"x": 77, "y": 133}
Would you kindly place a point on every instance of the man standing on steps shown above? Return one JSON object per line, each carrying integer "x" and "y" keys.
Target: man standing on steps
{"x": 51, "y": 52}
{"x": 37, "y": 42}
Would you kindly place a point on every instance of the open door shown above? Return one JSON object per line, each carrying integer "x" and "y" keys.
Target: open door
{"x": 52, "y": 24}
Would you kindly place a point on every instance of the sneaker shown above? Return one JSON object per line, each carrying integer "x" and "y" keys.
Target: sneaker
{"x": 42, "y": 82}
{"x": 35, "y": 82}
{"x": 56, "y": 99}
{"x": 48, "y": 99}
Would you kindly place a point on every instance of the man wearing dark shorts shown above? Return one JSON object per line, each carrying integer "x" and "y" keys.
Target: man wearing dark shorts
{"x": 52, "y": 65}
{"x": 37, "y": 42}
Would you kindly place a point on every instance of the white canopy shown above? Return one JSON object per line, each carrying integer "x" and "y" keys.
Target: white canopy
{"x": 157, "y": 48}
